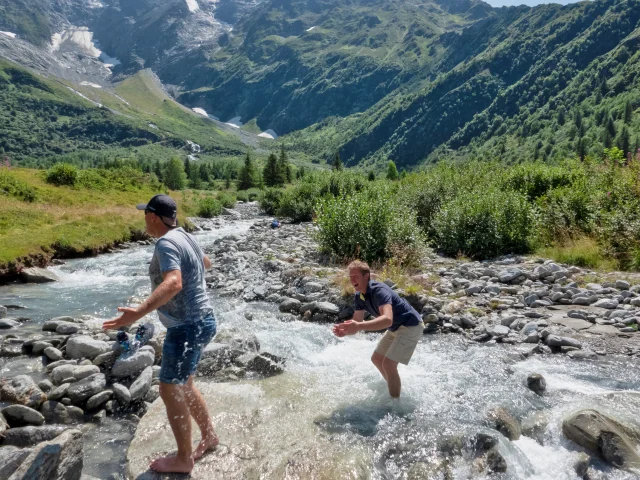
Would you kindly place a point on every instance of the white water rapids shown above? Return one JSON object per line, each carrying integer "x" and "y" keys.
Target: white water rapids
{"x": 448, "y": 388}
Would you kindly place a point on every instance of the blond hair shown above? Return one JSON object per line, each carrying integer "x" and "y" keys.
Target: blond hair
{"x": 359, "y": 265}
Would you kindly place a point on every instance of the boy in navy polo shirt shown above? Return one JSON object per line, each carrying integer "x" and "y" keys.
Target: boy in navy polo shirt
{"x": 403, "y": 323}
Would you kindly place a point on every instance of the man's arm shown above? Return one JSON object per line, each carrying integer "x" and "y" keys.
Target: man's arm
{"x": 169, "y": 288}
{"x": 350, "y": 327}
{"x": 207, "y": 262}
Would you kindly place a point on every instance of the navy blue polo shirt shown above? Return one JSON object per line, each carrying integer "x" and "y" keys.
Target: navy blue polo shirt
{"x": 381, "y": 294}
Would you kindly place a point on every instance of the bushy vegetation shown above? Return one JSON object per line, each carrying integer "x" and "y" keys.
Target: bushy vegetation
{"x": 62, "y": 174}
{"x": 209, "y": 207}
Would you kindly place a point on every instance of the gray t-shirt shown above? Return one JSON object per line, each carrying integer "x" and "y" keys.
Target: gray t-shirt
{"x": 177, "y": 250}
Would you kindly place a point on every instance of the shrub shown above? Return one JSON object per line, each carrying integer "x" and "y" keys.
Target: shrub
{"x": 299, "y": 203}
{"x": 566, "y": 212}
{"x": 242, "y": 196}
{"x": 62, "y": 174}
{"x": 270, "y": 200}
{"x": 484, "y": 224}
{"x": 12, "y": 187}
{"x": 209, "y": 207}
{"x": 367, "y": 225}
{"x": 226, "y": 199}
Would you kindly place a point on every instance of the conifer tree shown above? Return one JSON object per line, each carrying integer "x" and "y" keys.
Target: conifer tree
{"x": 628, "y": 112}
{"x": 372, "y": 176}
{"x": 246, "y": 177}
{"x": 174, "y": 176}
{"x": 270, "y": 171}
{"x": 624, "y": 140}
{"x": 337, "y": 163}
{"x": 282, "y": 167}
{"x": 392, "y": 171}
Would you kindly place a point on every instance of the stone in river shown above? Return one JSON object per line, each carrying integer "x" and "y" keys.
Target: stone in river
{"x": 37, "y": 275}
{"x": 23, "y": 390}
{"x": 21, "y": 416}
{"x": 84, "y": 346}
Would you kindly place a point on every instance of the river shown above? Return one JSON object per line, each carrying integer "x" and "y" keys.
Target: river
{"x": 448, "y": 388}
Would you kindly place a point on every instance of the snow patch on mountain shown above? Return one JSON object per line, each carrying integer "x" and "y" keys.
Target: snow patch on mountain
{"x": 268, "y": 134}
{"x": 76, "y": 38}
{"x": 8, "y": 34}
{"x": 234, "y": 122}
{"x": 309, "y": 29}
{"x": 200, "y": 111}
{"x": 90, "y": 84}
{"x": 192, "y": 5}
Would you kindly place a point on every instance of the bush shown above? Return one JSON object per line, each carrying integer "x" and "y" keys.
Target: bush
{"x": 242, "y": 196}
{"x": 209, "y": 207}
{"x": 62, "y": 174}
{"x": 12, "y": 187}
{"x": 367, "y": 225}
{"x": 565, "y": 212}
{"x": 270, "y": 200}
{"x": 226, "y": 199}
{"x": 484, "y": 224}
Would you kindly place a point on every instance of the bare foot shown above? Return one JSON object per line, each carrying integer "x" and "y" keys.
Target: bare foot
{"x": 172, "y": 464}
{"x": 207, "y": 443}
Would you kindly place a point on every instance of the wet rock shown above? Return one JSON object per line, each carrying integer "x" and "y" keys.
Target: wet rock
{"x": 10, "y": 459}
{"x": 496, "y": 462}
{"x": 4, "y": 426}
{"x": 582, "y": 355}
{"x": 6, "y": 323}
{"x": 484, "y": 442}
{"x": 76, "y": 414}
{"x": 59, "y": 392}
{"x": 328, "y": 308}
{"x": 240, "y": 341}
{"x": 11, "y": 347}
{"x": 58, "y": 459}
{"x": 264, "y": 364}
{"x": 141, "y": 386}
{"x": 22, "y": 390}
{"x": 37, "y": 275}
{"x": 132, "y": 365}
{"x": 59, "y": 363}
{"x": 84, "y": 346}
{"x": 3, "y": 311}
{"x": 105, "y": 359}
{"x": 122, "y": 394}
{"x": 535, "y": 425}
{"x": 97, "y": 400}
{"x": 290, "y": 305}
{"x": 54, "y": 412}
{"x": 536, "y": 383}
{"x": 21, "y": 416}
{"x": 45, "y": 386}
{"x": 153, "y": 394}
{"x": 433, "y": 470}
{"x": 66, "y": 328}
{"x": 605, "y": 437}
{"x": 86, "y": 388}
{"x": 581, "y": 465}
{"x": 498, "y": 331}
{"x": 505, "y": 423}
{"x": 29, "y": 436}
{"x": 52, "y": 353}
{"x": 59, "y": 374}
{"x": 99, "y": 417}
{"x": 558, "y": 341}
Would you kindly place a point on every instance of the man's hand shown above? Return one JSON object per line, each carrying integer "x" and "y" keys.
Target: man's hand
{"x": 129, "y": 316}
{"x": 350, "y": 327}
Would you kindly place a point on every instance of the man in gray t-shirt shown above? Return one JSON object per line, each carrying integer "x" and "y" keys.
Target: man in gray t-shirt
{"x": 180, "y": 296}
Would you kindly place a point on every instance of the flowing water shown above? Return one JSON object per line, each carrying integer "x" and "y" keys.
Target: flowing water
{"x": 448, "y": 388}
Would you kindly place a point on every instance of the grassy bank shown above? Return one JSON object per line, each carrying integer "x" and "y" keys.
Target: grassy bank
{"x": 38, "y": 219}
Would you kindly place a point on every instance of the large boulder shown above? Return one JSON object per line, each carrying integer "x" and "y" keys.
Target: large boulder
{"x": 21, "y": 416}
{"x": 23, "y": 390}
{"x": 558, "y": 341}
{"x": 84, "y": 346}
{"x": 57, "y": 459}
{"x": 290, "y": 305}
{"x": 605, "y": 437}
{"x": 122, "y": 394}
{"x": 131, "y": 365}
{"x": 10, "y": 459}
{"x": 536, "y": 383}
{"x": 86, "y": 388}
{"x": 505, "y": 423}
{"x": 37, "y": 275}
{"x": 29, "y": 436}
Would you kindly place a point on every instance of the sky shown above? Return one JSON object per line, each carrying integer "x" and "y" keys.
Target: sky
{"x": 511, "y": 3}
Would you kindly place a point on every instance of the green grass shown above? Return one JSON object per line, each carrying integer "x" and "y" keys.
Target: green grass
{"x": 583, "y": 252}
{"x": 74, "y": 218}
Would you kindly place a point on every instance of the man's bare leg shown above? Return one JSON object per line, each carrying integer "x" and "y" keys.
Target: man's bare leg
{"x": 178, "y": 414}
{"x": 377, "y": 360}
{"x": 393, "y": 378}
{"x": 200, "y": 413}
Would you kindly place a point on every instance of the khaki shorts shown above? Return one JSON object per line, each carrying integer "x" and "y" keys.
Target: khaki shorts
{"x": 399, "y": 345}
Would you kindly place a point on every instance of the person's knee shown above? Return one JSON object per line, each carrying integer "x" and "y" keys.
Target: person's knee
{"x": 168, "y": 390}
{"x": 389, "y": 366}
{"x": 377, "y": 359}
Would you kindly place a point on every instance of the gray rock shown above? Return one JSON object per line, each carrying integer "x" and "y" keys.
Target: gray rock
{"x": 622, "y": 285}
{"x": 505, "y": 423}
{"x": 141, "y": 386}
{"x": 10, "y": 459}
{"x": 59, "y": 392}
{"x": 52, "y": 353}
{"x": 3, "y": 311}
{"x": 11, "y": 347}
{"x": 57, "y": 459}
{"x": 23, "y": 390}
{"x": 76, "y": 414}
{"x": 21, "y": 416}
{"x": 106, "y": 359}
{"x": 558, "y": 341}
{"x": 605, "y": 437}
{"x": 498, "y": 331}
{"x": 122, "y": 394}
{"x": 53, "y": 365}
{"x": 311, "y": 287}
{"x": 84, "y": 346}
{"x": 536, "y": 383}
{"x": 29, "y": 436}
{"x": 153, "y": 394}
{"x": 131, "y": 365}
{"x": 582, "y": 355}
{"x": 76, "y": 371}
{"x": 6, "y": 323}
{"x": 496, "y": 462}
{"x": 290, "y": 305}
{"x": 37, "y": 275}
{"x": 52, "y": 324}
{"x": 509, "y": 274}
{"x": 65, "y": 328}
{"x": 582, "y": 300}
{"x": 608, "y": 303}
{"x": 40, "y": 346}
{"x": 99, "y": 399}
{"x": 86, "y": 388}
{"x": 54, "y": 412}
{"x": 45, "y": 386}
{"x": 328, "y": 307}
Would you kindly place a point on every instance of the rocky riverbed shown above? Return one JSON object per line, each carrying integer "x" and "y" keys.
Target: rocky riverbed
{"x": 531, "y": 324}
